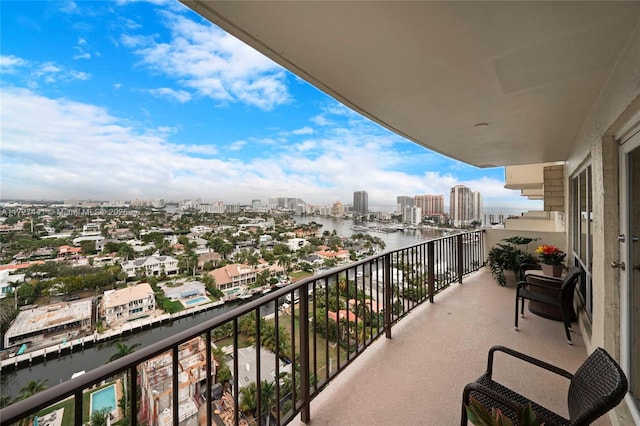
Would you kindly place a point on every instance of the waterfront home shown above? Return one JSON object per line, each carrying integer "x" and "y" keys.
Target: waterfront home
{"x": 127, "y": 303}
{"x": 234, "y": 276}
{"x": 184, "y": 290}
{"x": 55, "y": 322}
{"x": 151, "y": 266}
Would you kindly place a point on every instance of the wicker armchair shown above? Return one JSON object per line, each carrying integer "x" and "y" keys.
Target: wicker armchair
{"x": 563, "y": 298}
{"x": 524, "y": 267}
{"x": 596, "y": 387}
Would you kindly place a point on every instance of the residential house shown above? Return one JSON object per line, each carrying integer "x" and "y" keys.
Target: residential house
{"x": 211, "y": 256}
{"x": 127, "y": 303}
{"x": 187, "y": 289}
{"x": 151, "y": 266}
{"x": 342, "y": 314}
{"x": 68, "y": 252}
{"x": 234, "y": 276}
{"x": 247, "y": 359}
{"x": 295, "y": 244}
{"x": 341, "y": 255}
{"x": 8, "y": 281}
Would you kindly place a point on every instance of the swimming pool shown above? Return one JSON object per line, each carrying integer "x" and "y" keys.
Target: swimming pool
{"x": 195, "y": 301}
{"x": 104, "y": 398}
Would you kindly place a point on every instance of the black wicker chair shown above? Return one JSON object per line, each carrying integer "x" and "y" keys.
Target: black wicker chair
{"x": 596, "y": 387}
{"x": 562, "y": 298}
{"x": 524, "y": 267}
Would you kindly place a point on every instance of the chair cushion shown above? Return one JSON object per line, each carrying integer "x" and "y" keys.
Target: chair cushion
{"x": 545, "y": 416}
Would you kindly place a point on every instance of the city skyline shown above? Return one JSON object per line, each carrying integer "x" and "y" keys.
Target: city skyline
{"x": 135, "y": 100}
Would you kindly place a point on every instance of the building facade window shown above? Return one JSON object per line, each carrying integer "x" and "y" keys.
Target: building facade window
{"x": 582, "y": 232}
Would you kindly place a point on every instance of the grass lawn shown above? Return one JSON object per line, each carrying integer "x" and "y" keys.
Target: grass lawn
{"x": 173, "y": 306}
{"x": 321, "y": 359}
{"x": 298, "y": 275}
{"x": 243, "y": 341}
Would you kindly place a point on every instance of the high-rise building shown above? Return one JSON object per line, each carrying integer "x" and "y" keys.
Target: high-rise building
{"x": 431, "y": 205}
{"x": 285, "y": 203}
{"x": 477, "y": 206}
{"x": 460, "y": 205}
{"x": 402, "y": 202}
{"x": 412, "y": 215}
{"x": 337, "y": 209}
{"x": 465, "y": 205}
{"x": 360, "y": 203}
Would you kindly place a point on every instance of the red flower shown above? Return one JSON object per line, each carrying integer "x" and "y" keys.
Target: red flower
{"x": 550, "y": 254}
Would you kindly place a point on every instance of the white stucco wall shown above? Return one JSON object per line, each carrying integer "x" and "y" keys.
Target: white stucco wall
{"x": 617, "y": 102}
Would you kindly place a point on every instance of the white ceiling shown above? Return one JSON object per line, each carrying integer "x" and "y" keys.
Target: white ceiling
{"x": 488, "y": 83}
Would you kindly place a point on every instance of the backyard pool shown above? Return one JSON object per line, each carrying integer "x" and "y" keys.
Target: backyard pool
{"x": 195, "y": 301}
{"x": 104, "y": 398}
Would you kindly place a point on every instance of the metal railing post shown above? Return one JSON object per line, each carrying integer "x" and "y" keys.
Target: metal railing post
{"x": 133, "y": 419}
{"x": 77, "y": 412}
{"x": 460, "y": 250}
{"x": 431, "y": 269}
{"x": 305, "y": 413}
{"x": 387, "y": 295}
{"x": 175, "y": 385}
{"x": 210, "y": 380}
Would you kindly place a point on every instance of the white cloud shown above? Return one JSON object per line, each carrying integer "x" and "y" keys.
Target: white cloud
{"x": 178, "y": 95}
{"x": 10, "y": 63}
{"x": 303, "y": 131}
{"x": 116, "y": 85}
{"x": 83, "y": 55}
{"x": 79, "y": 75}
{"x": 237, "y": 146}
{"x": 32, "y": 71}
{"x": 68, "y": 7}
{"x": 203, "y": 58}
{"x": 56, "y": 148}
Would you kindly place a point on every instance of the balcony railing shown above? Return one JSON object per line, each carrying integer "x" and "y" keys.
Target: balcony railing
{"x": 300, "y": 337}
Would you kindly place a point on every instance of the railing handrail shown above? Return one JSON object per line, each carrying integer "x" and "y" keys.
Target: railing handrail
{"x": 47, "y": 397}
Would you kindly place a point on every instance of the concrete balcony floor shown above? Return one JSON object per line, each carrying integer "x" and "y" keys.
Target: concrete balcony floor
{"x": 417, "y": 376}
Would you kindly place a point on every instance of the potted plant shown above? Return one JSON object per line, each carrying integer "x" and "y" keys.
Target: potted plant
{"x": 508, "y": 256}
{"x": 478, "y": 415}
{"x": 552, "y": 259}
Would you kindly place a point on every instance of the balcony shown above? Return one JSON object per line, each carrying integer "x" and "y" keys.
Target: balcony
{"x": 407, "y": 360}
{"x": 417, "y": 376}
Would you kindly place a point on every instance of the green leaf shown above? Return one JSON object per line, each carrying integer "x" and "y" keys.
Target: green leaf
{"x": 478, "y": 414}
{"x": 527, "y": 417}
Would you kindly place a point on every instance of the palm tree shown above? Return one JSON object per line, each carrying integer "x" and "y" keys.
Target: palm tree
{"x": 248, "y": 401}
{"x": 268, "y": 398}
{"x": 32, "y": 388}
{"x": 123, "y": 350}
{"x": 99, "y": 417}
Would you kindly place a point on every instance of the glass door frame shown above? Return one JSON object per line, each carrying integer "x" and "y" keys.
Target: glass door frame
{"x": 628, "y": 144}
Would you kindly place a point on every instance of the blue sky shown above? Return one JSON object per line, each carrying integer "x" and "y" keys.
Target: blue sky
{"x": 123, "y": 100}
